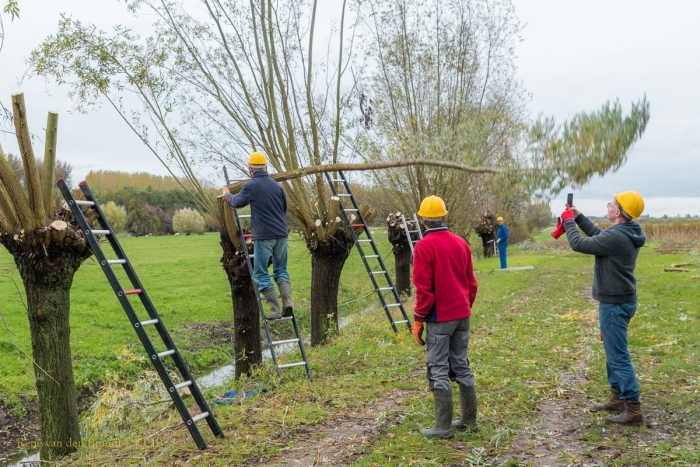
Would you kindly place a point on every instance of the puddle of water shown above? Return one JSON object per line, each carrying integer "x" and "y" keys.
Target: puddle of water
{"x": 217, "y": 377}
{"x": 31, "y": 459}
{"x": 225, "y": 374}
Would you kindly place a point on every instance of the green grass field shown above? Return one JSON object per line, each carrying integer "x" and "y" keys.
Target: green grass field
{"x": 184, "y": 280}
{"x": 535, "y": 350}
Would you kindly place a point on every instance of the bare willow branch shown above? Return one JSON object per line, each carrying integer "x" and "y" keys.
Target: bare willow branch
{"x": 8, "y": 220}
{"x": 31, "y": 172}
{"x": 15, "y": 195}
{"x": 50, "y": 161}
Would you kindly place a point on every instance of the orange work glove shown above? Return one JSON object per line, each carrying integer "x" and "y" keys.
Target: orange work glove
{"x": 418, "y": 332}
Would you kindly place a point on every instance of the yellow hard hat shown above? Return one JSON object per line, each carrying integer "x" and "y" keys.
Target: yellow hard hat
{"x": 432, "y": 207}
{"x": 257, "y": 158}
{"x": 499, "y": 219}
{"x": 631, "y": 202}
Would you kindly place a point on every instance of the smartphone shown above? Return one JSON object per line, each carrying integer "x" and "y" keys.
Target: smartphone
{"x": 570, "y": 199}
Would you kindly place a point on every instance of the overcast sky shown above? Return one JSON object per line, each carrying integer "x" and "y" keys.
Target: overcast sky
{"x": 574, "y": 56}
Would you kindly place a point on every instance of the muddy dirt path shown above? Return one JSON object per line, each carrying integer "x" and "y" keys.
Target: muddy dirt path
{"x": 339, "y": 441}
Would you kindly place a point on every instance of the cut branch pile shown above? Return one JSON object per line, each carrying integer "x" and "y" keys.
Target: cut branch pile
{"x": 679, "y": 267}
{"x": 677, "y": 247}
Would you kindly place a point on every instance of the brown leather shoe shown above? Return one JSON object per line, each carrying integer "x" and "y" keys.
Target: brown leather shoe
{"x": 631, "y": 416}
{"x": 615, "y": 404}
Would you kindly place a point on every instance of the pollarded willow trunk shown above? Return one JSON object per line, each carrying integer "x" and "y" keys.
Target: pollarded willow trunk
{"x": 402, "y": 253}
{"x": 487, "y": 245}
{"x": 402, "y": 258}
{"x": 47, "y": 274}
{"x": 486, "y": 230}
{"x": 327, "y": 261}
{"x": 246, "y": 316}
{"x": 48, "y": 249}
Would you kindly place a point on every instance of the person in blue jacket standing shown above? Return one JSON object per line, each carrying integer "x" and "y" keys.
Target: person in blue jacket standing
{"x": 502, "y": 241}
{"x": 268, "y": 209}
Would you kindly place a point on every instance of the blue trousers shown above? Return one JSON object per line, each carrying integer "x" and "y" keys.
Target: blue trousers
{"x": 263, "y": 250}
{"x": 614, "y": 318}
{"x": 502, "y": 247}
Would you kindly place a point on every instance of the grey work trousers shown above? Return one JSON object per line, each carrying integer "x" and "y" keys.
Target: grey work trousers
{"x": 448, "y": 354}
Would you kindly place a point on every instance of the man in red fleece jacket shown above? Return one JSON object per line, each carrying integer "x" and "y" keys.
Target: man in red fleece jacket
{"x": 443, "y": 275}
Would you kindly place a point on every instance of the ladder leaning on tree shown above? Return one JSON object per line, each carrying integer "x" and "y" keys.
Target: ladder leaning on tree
{"x": 154, "y": 321}
{"x": 355, "y": 221}
{"x": 266, "y": 323}
{"x": 416, "y": 225}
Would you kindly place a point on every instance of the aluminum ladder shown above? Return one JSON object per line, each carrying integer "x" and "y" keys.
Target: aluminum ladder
{"x": 266, "y": 323}
{"x": 359, "y": 222}
{"x": 156, "y": 356}
{"x": 416, "y": 224}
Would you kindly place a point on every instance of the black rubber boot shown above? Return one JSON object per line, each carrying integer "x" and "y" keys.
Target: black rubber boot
{"x": 271, "y": 299}
{"x": 443, "y": 415}
{"x": 467, "y": 404}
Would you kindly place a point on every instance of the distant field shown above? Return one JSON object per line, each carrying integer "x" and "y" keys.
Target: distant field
{"x": 678, "y": 231}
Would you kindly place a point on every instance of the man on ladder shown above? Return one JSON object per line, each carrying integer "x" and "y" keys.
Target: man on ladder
{"x": 268, "y": 209}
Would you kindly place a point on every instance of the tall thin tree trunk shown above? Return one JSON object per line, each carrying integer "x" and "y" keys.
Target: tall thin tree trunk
{"x": 327, "y": 261}
{"x": 48, "y": 300}
{"x": 246, "y": 316}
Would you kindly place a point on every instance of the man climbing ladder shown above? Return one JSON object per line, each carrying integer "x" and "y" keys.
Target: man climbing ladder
{"x": 268, "y": 208}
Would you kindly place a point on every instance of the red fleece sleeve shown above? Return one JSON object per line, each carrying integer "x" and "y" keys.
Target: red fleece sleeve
{"x": 423, "y": 281}
{"x": 471, "y": 279}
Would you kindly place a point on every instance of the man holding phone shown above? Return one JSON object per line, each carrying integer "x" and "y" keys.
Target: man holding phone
{"x": 615, "y": 287}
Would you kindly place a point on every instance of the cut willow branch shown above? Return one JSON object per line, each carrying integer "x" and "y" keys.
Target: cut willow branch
{"x": 226, "y": 214}
{"x": 47, "y": 182}
{"x": 316, "y": 169}
{"x": 30, "y": 169}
